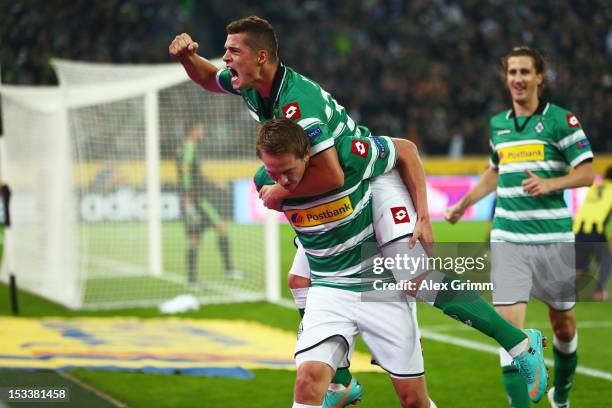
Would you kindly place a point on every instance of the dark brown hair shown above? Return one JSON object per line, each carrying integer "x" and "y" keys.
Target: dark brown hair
{"x": 278, "y": 136}
{"x": 538, "y": 62}
{"x": 261, "y": 35}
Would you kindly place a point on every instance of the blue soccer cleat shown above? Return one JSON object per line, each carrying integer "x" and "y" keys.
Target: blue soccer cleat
{"x": 530, "y": 364}
{"x": 348, "y": 396}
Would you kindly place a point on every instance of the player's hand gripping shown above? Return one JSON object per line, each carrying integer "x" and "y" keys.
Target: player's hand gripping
{"x": 423, "y": 232}
{"x": 454, "y": 213}
{"x": 536, "y": 186}
{"x": 273, "y": 196}
{"x": 183, "y": 46}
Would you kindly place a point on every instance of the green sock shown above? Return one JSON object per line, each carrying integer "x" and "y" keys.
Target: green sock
{"x": 301, "y": 312}
{"x": 515, "y": 387}
{"x": 343, "y": 376}
{"x": 468, "y": 307}
{"x": 565, "y": 367}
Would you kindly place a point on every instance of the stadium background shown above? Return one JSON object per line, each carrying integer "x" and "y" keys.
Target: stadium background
{"x": 427, "y": 71}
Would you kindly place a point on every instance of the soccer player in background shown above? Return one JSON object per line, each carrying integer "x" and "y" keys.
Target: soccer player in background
{"x": 272, "y": 90}
{"x": 590, "y": 229}
{"x": 534, "y": 144}
{"x": 198, "y": 213}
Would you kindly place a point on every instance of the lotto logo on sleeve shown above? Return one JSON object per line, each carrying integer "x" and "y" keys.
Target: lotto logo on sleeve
{"x": 292, "y": 111}
{"x": 572, "y": 121}
{"x": 400, "y": 215}
{"x": 360, "y": 148}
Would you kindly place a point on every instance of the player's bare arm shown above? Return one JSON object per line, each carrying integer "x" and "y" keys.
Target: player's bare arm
{"x": 412, "y": 172}
{"x": 581, "y": 176}
{"x": 486, "y": 184}
{"x": 324, "y": 174}
{"x": 200, "y": 70}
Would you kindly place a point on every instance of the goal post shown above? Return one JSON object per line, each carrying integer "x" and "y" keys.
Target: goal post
{"x": 95, "y": 163}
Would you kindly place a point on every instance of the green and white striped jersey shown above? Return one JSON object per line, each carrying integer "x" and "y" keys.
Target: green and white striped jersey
{"x": 548, "y": 143}
{"x": 336, "y": 228}
{"x": 296, "y": 97}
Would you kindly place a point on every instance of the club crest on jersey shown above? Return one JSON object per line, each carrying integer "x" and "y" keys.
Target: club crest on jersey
{"x": 292, "y": 111}
{"x": 360, "y": 148}
{"x": 572, "y": 121}
{"x": 539, "y": 128}
{"x": 400, "y": 215}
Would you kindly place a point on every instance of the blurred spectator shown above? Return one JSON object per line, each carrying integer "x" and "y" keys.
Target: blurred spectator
{"x": 418, "y": 68}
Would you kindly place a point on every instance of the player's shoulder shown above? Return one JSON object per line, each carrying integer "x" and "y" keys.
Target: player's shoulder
{"x": 564, "y": 119}
{"x": 301, "y": 98}
{"x": 500, "y": 118}
{"x": 353, "y": 149}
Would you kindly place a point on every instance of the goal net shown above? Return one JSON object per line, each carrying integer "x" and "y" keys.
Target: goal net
{"x": 132, "y": 185}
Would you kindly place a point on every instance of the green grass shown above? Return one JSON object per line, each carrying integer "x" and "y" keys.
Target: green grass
{"x": 456, "y": 377}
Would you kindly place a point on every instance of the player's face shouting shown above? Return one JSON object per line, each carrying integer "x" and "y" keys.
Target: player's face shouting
{"x": 285, "y": 168}
{"x": 241, "y": 60}
{"x": 522, "y": 80}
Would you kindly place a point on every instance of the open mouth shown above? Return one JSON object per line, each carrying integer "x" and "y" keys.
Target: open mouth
{"x": 234, "y": 73}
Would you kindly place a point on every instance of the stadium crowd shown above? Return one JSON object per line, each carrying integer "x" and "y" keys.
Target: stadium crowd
{"x": 424, "y": 70}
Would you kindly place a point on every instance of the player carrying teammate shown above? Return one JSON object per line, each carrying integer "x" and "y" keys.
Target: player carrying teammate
{"x": 339, "y": 246}
{"x": 272, "y": 90}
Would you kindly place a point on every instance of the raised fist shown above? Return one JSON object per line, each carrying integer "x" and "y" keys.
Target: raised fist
{"x": 182, "y": 46}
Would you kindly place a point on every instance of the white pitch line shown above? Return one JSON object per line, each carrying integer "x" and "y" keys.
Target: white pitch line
{"x": 475, "y": 345}
{"x": 462, "y": 327}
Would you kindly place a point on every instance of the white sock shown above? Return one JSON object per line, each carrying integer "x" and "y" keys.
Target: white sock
{"x": 519, "y": 348}
{"x": 566, "y": 347}
{"x": 298, "y": 405}
{"x": 299, "y": 296}
{"x": 505, "y": 359}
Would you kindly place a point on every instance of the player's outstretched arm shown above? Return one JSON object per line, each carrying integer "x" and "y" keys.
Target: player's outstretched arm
{"x": 324, "y": 174}
{"x": 412, "y": 172}
{"x": 200, "y": 70}
{"x": 487, "y": 184}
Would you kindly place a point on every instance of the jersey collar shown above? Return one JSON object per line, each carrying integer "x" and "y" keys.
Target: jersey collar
{"x": 541, "y": 106}
{"x": 277, "y": 82}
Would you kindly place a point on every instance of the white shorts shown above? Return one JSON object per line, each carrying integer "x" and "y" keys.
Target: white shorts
{"x": 393, "y": 216}
{"x": 334, "y": 318}
{"x": 546, "y": 271}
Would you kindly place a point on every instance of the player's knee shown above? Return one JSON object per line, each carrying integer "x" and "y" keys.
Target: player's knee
{"x": 564, "y": 330}
{"x": 563, "y": 325}
{"x": 307, "y": 385}
{"x": 297, "y": 282}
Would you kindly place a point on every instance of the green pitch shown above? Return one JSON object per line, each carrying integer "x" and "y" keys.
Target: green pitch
{"x": 457, "y": 376}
